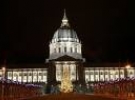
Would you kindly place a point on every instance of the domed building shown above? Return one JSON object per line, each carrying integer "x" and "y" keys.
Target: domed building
{"x": 65, "y": 51}
{"x": 65, "y": 42}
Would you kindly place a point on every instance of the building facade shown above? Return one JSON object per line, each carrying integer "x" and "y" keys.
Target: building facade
{"x": 65, "y": 51}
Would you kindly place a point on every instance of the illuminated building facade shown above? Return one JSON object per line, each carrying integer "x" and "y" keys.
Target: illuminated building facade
{"x": 65, "y": 50}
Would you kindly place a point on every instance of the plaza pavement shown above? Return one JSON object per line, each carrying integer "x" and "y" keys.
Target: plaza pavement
{"x": 71, "y": 96}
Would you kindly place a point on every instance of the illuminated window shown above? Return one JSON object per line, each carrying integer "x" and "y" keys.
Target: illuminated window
{"x": 30, "y": 74}
{"x": 87, "y": 78}
{"x": 101, "y": 73}
{"x": 59, "y": 50}
{"x": 20, "y": 74}
{"x": 131, "y": 73}
{"x": 91, "y": 73}
{"x": 54, "y": 50}
{"x": 35, "y": 73}
{"x": 65, "y": 49}
{"x": 75, "y": 49}
{"x": 96, "y": 73}
{"x": 9, "y": 74}
{"x": 71, "y": 49}
{"x": 25, "y": 74}
{"x": 106, "y": 73}
{"x": 116, "y": 73}
{"x": 40, "y": 74}
{"x": 102, "y": 79}
{"x": 15, "y": 74}
{"x": 106, "y": 79}
{"x": 91, "y": 77}
{"x": 87, "y": 72}
{"x": 19, "y": 77}
{"x": 121, "y": 73}
{"x": 45, "y": 73}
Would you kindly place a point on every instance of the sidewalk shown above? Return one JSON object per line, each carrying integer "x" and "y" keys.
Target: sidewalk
{"x": 114, "y": 97}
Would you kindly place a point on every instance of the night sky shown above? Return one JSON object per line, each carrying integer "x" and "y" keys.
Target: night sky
{"x": 104, "y": 27}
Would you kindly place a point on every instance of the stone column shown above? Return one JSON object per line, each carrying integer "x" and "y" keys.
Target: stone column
{"x": 51, "y": 73}
{"x": 81, "y": 77}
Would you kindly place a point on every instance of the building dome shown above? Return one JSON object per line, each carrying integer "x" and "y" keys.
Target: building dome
{"x": 65, "y": 42}
{"x": 65, "y": 33}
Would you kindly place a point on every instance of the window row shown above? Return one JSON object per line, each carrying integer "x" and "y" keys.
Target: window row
{"x": 105, "y": 73}
{"x": 65, "y": 49}
{"x": 26, "y": 74}
{"x": 102, "y": 77}
{"x": 29, "y": 79}
{"x": 111, "y": 72}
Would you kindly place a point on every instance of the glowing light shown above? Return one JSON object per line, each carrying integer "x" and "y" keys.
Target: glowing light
{"x": 66, "y": 84}
{"x": 3, "y": 69}
{"x": 128, "y": 66}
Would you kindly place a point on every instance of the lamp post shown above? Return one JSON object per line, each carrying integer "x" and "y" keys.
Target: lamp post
{"x": 3, "y": 76}
{"x": 126, "y": 70}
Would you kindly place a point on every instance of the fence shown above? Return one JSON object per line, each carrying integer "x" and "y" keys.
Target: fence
{"x": 123, "y": 88}
{"x": 11, "y": 90}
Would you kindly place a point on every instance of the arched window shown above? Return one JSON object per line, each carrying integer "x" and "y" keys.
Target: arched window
{"x": 76, "y": 49}
{"x": 59, "y": 50}
{"x": 71, "y": 49}
{"x": 54, "y": 50}
{"x": 65, "y": 49}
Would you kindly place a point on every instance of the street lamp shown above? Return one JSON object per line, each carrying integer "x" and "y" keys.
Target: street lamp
{"x": 128, "y": 66}
{"x": 3, "y": 77}
{"x": 126, "y": 70}
{"x": 3, "y": 72}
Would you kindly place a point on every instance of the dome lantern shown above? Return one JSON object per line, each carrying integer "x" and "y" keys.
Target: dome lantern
{"x": 65, "y": 32}
{"x": 64, "y": 20}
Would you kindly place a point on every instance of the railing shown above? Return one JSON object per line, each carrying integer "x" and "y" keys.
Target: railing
{"x": 12, "y": 90}
{"x": 123, "y": 88}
